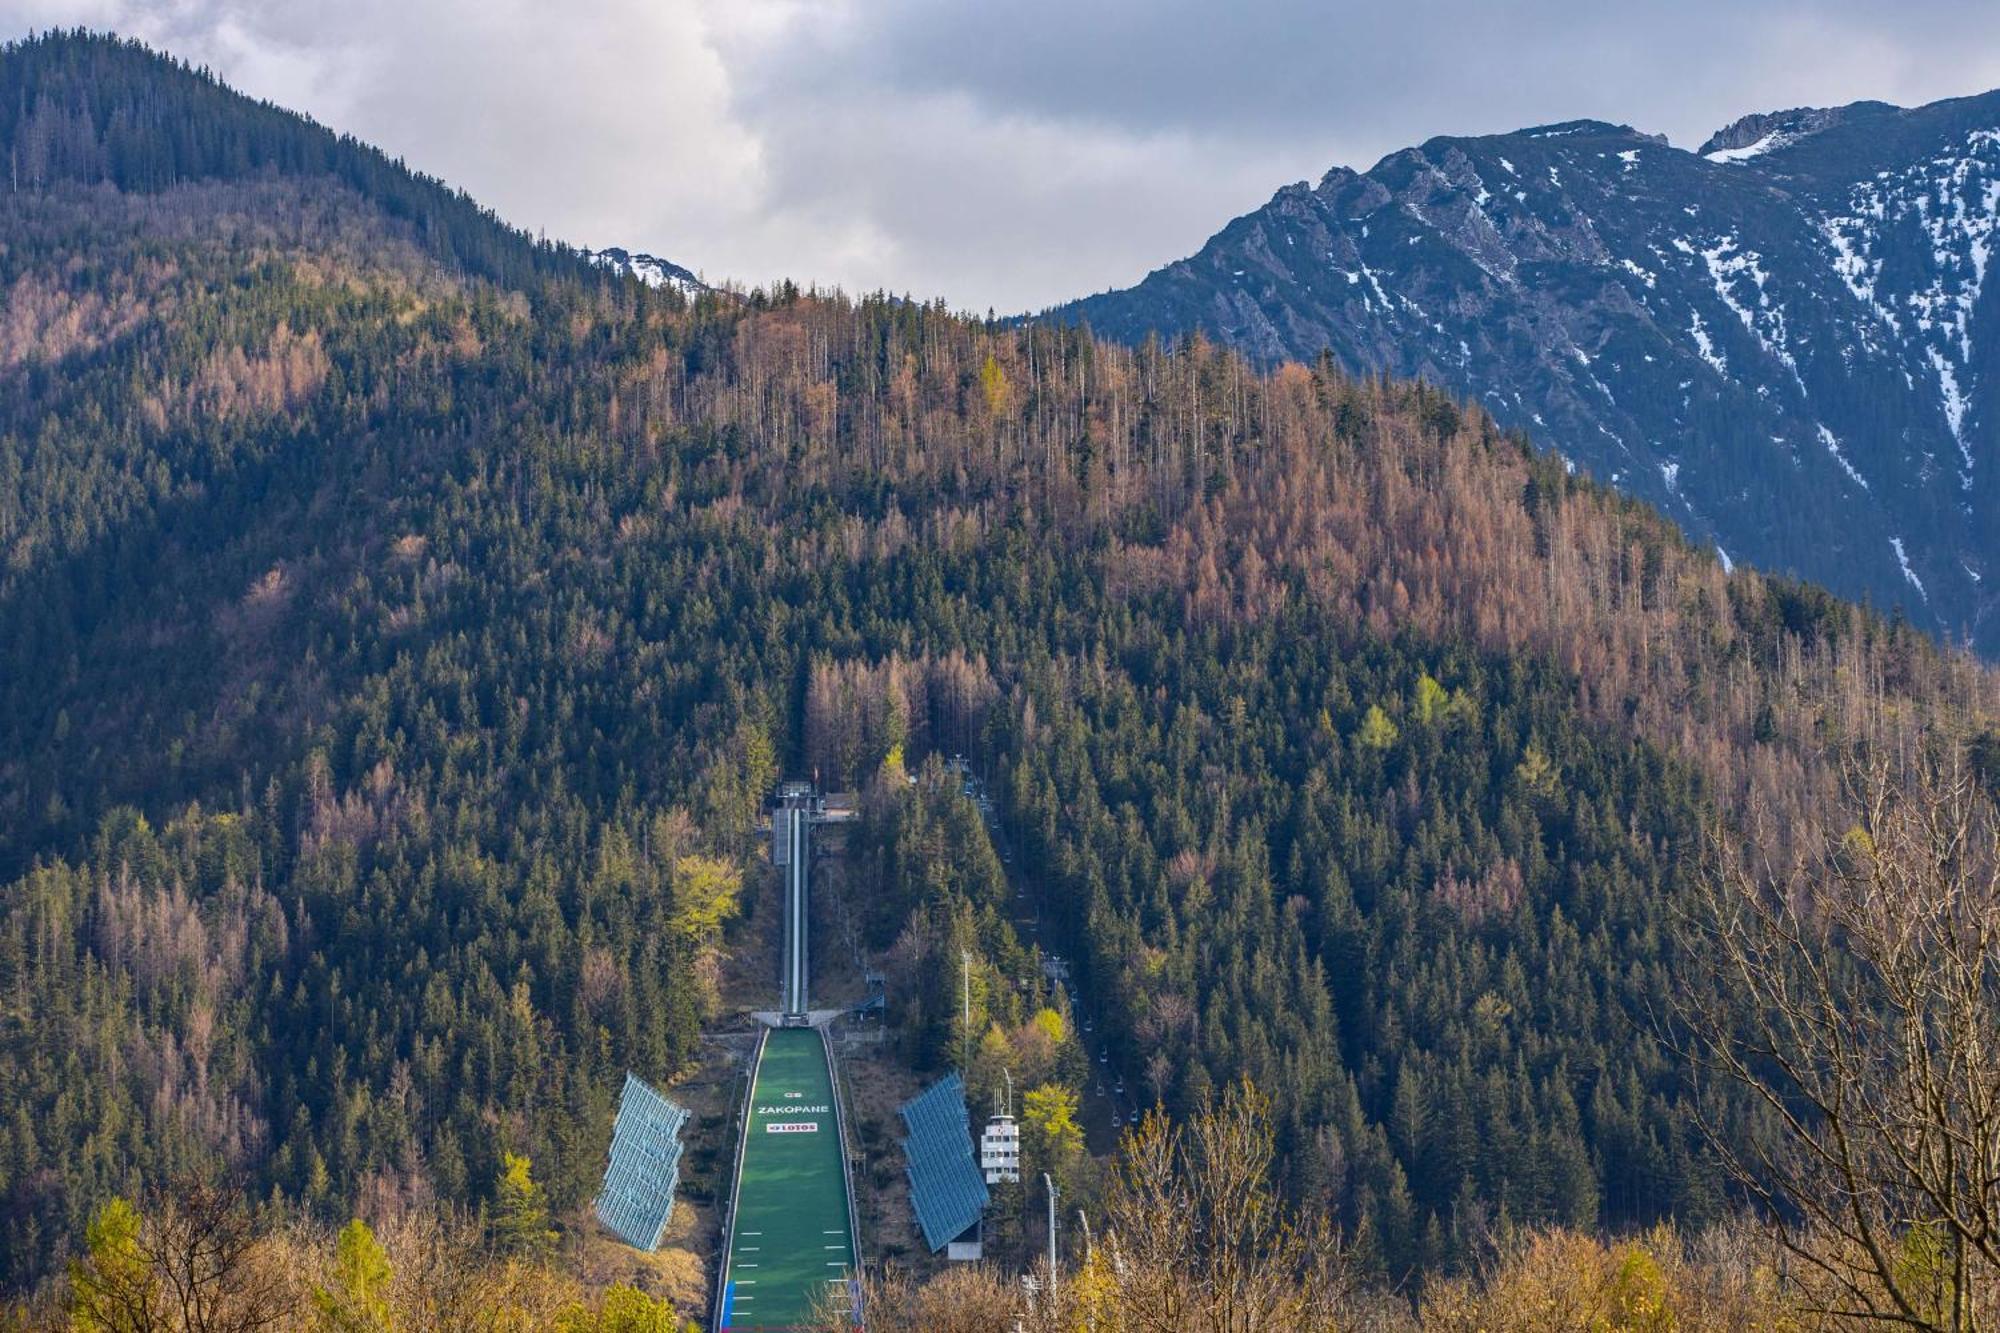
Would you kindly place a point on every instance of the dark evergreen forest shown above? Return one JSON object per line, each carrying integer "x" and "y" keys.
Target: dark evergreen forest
{"x": 396, "y": 615}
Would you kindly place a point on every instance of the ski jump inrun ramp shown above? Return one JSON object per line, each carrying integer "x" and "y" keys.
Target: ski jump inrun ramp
{"x": 791, "y": 1254}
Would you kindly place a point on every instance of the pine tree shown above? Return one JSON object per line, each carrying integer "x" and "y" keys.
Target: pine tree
{"x": 357, "y": 1301}
{"x": 113, "y": 1288}
{"x": 520, "y": 1211}
{"x": 1377, "y": 731}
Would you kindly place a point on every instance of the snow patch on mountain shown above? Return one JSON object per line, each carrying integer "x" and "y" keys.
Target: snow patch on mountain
{"x": 1775, "y": 139}
{"x": 1908, "y": 573}
{"x": 1851, "y": 238}
{"x": 1728, "y": 266}
{"x": 1754, "y": 136}
{"x": 1826, "y": 437}
{"x": 1944, "y": 207}
{"x": 649, "y": 269}
{"x": 1696, "y": 325}
{"x": 1705, "y": 344}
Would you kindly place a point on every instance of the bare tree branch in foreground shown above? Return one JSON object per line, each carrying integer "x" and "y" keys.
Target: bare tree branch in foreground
{"x": 195, "y": 1263}
{"x": 1853, "y": 990}
{"x": 1196, "y": 1241}
{"x": 1197, "y": 1238}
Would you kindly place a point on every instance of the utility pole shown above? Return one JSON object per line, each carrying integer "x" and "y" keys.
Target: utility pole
{"x": 965, "y": 1024}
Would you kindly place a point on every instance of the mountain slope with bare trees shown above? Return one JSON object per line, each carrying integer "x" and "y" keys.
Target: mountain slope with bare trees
{"x": 401, "y": 649}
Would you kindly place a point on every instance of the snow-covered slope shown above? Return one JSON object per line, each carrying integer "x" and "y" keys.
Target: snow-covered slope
{"x": 649, "y": 269}
{"x": 1787, "y": 340}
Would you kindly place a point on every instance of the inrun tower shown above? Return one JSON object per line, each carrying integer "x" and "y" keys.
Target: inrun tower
{"x": 799, "y": 807}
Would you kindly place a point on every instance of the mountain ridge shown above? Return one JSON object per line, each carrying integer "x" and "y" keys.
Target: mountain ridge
{"x": 401, "y": 656}
{"x": 649, "y": 269}
{"x": 1780, "y": 339}
{"x": 87, "y": 108}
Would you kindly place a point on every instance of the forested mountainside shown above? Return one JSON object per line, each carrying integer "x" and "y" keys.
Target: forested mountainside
{"x": 398, "y": 652}
{"x": 80, "y": 110}
{"x": 1785, "y": 341}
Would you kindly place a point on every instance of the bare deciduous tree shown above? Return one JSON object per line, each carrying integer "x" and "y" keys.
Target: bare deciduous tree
{"x": 962, "y": 1299}
{"x": 1853, "y": 989}
{"x": 195, "y": 1263}
{"x": 1199, "y": 1240}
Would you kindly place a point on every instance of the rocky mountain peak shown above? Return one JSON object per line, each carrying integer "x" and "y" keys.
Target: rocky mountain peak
{"x": 649, "y": 269}
{"x": 1751, "y": 130}
{"x": 1798, "y": 364}
{"x": 1566, "y": 128}
{"x": 1758, "y": 133}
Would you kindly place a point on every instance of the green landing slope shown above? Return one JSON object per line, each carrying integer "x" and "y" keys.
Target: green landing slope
{"x": 789, "y": 1239}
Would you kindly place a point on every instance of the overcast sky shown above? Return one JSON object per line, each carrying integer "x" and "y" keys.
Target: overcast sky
{"x": 1000, "y": 153}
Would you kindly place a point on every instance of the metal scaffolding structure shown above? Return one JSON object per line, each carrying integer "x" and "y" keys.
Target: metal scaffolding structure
{"x": 638, "y": 1194}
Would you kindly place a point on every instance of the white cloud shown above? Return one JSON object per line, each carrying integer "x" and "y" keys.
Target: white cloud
{"x": 605, "y": 123}
{"x": 1004, "y": 155}
{"x": 1008, "y": 211}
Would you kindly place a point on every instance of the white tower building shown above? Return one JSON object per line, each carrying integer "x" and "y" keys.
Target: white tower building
{"x": 1000, "y": 1150}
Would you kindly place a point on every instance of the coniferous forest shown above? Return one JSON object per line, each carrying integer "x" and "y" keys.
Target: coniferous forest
{"x": 400, "y": 619}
